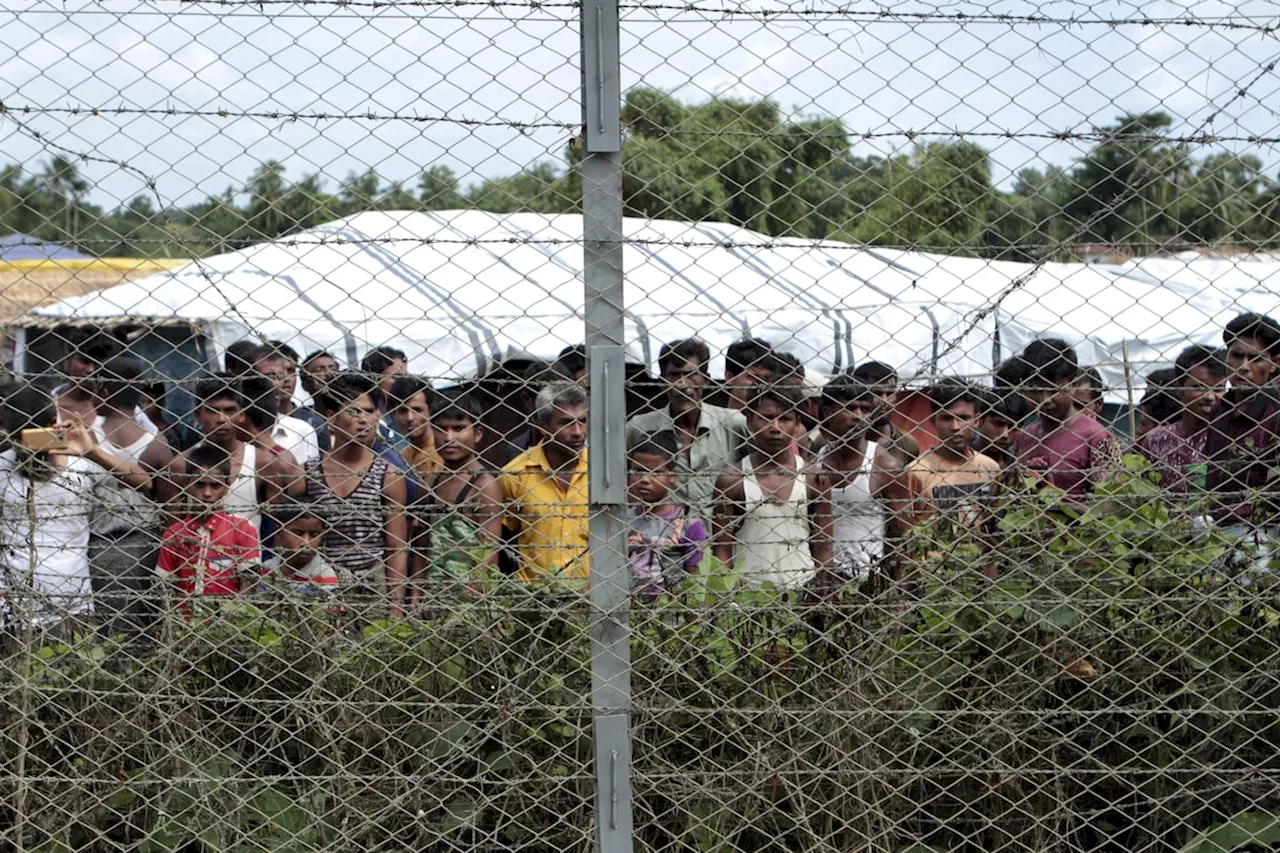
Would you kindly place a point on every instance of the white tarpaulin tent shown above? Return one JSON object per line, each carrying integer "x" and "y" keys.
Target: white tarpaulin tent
{"x": 458, "y": 290}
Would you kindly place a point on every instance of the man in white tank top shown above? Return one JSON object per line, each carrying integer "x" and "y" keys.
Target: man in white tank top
{"x": 868, "y": 496}
{"x": 773, "y": 516}
{"x": 259, "y": 473}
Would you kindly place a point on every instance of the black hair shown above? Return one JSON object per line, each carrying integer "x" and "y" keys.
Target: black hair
{"x": 119, "y": 380}
{"x": 220, "y": 386}
{"x": 1002, "y": 404}
{"x": 1094, "y": 378}
{"x": 1010, "y": 373}
{"x": 1008, "y": 378}
{"x": 345, "y": 387}
{"x": 156, "y": 389}
{"x": 378, "y": 359}
{"x": 875, "y": 373}
{"x": 283, "y": 349}
{"x": 93, "y": 345}
{"x": 1049, "y": 360}
{"x": 27, "y": 406}
{"x": 1257, "y": 326}
{"x": 1159, "y": 403}
{"x": 1199, "y": 355}
{"x": 240, "y": 357}
{"x": 207, "y": 456}
{"x": 291, "y": 508}
{"x": 312, "y": 356}
{"x": 784, "y": 394}
{"x": 688, "y": 349}
{"x": 404, "y": 387}
{"x": 843, "y": 389}
{"x": 571, "y": 361}
{"x": 662, "y": 443}
{"x": 784, "y": 366}
{"x": 744, "y": 354}
{"x": 455, "y": 404}
{"x": 260, "y": 393}
{"x": 947, "y": 392}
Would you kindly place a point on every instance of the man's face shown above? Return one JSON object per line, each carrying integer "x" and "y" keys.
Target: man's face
{"x": 686, "y": 380}
{"x": 299, "y": 541}
{"x": 283, "y": 373}
{"x": 396, "y": 368}
{"x": 355, "y": 421}
{"x": 954, "y": 426}
{"x": 77, "y": 366}
{"x": 850, "y": 421}
{"x": 567, "y": 429}
{"x": 207, "y": 488}
{"x": 649, "y": 478}
{"x": 456, "y": 438}
{"x": 772, "y": 426}
{"x": 1086, "y": 399}
{"x": 413, "y": 419}
{"x": 1202, "y": 391}
{"x": 1250, "y": 364}
{"x": 740, "y": 384}
{"x": 220, "y": 419}
{"x": 1051, "y": 399}
{"x": 998, "y": 432}
{"x": 318, "y": 371}
{"x": 886, "y": 392}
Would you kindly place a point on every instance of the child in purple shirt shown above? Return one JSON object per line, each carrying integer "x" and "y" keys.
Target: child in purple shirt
{"x": 1066, "y": 447}
{"x": 664, "y": 543}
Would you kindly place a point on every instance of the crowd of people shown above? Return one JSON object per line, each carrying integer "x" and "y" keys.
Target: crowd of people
{"x": 381, "y": 494}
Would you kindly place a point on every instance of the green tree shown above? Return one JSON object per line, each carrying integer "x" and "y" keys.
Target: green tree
{"x": 936, "y": 199}
{"x": 1226, "y": 200}
{"x": 438, "y": 190}
{"x": 1126, "y": 190}
{"x": 736, "y": 161}
{"x": 541, "y": 189}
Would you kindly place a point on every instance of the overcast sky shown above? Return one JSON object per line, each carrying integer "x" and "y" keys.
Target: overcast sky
{"x": 520, "y": 64}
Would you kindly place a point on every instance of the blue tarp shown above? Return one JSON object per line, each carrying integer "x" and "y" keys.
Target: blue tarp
{"x": 22, "y": 247}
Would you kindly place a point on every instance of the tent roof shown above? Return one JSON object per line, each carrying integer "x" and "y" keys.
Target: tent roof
{"x": 459, "y": 289}
{"x": 23, "y": 247}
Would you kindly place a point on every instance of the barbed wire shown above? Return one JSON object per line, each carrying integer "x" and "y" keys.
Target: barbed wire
{"x": 281, "y": 116}
{"x": 1249, "y": 23}
{"x": 1098, "y": 137}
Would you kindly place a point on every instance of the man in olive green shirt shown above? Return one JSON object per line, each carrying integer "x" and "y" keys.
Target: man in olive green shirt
{"x": 710, "y": 438}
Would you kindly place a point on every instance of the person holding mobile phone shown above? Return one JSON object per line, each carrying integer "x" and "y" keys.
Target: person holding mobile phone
{"x": 49, "y": 478}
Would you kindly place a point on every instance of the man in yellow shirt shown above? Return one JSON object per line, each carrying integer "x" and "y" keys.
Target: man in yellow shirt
{"x": 547, "y": 503}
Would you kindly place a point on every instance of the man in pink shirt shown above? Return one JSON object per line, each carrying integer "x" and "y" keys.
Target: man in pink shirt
{"x": 1176, "y": 449}
{"x": 1067, "y": 448}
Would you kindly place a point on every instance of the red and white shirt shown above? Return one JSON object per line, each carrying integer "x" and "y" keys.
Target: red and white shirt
{"x": 207, "y": 556}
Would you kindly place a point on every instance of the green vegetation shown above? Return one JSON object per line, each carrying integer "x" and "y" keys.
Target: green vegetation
{"x": 740, "y": 162}
{"x": 1112, "y": 690}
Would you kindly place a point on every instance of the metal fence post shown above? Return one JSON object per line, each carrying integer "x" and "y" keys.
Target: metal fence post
{"x": 610, "y": 573}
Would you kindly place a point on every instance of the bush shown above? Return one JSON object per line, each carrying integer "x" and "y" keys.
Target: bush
{"x": 1111, "y": 689}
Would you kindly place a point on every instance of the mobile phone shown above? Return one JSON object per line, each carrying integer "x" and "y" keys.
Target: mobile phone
{"x": 43, "y": 439}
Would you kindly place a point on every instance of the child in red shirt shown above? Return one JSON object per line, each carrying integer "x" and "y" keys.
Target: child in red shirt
{"x": 209, "y": 551}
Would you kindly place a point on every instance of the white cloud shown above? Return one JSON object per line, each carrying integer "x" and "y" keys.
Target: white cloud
{"x": 877, "y": 76}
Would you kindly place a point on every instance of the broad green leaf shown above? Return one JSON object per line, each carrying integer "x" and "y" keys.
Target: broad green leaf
{"x": 1245, "y": 829}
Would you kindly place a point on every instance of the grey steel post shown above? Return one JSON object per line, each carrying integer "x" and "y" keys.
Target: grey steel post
{"x": 610, "y": 572}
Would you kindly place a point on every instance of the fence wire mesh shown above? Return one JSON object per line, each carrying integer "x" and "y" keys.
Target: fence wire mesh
{"x": 899, "y": 474}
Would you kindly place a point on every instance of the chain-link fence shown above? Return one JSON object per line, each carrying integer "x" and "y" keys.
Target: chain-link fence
{"x": 451, "y": 425}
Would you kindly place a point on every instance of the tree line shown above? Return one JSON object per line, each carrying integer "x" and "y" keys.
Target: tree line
{"x": 741, "y": 162}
